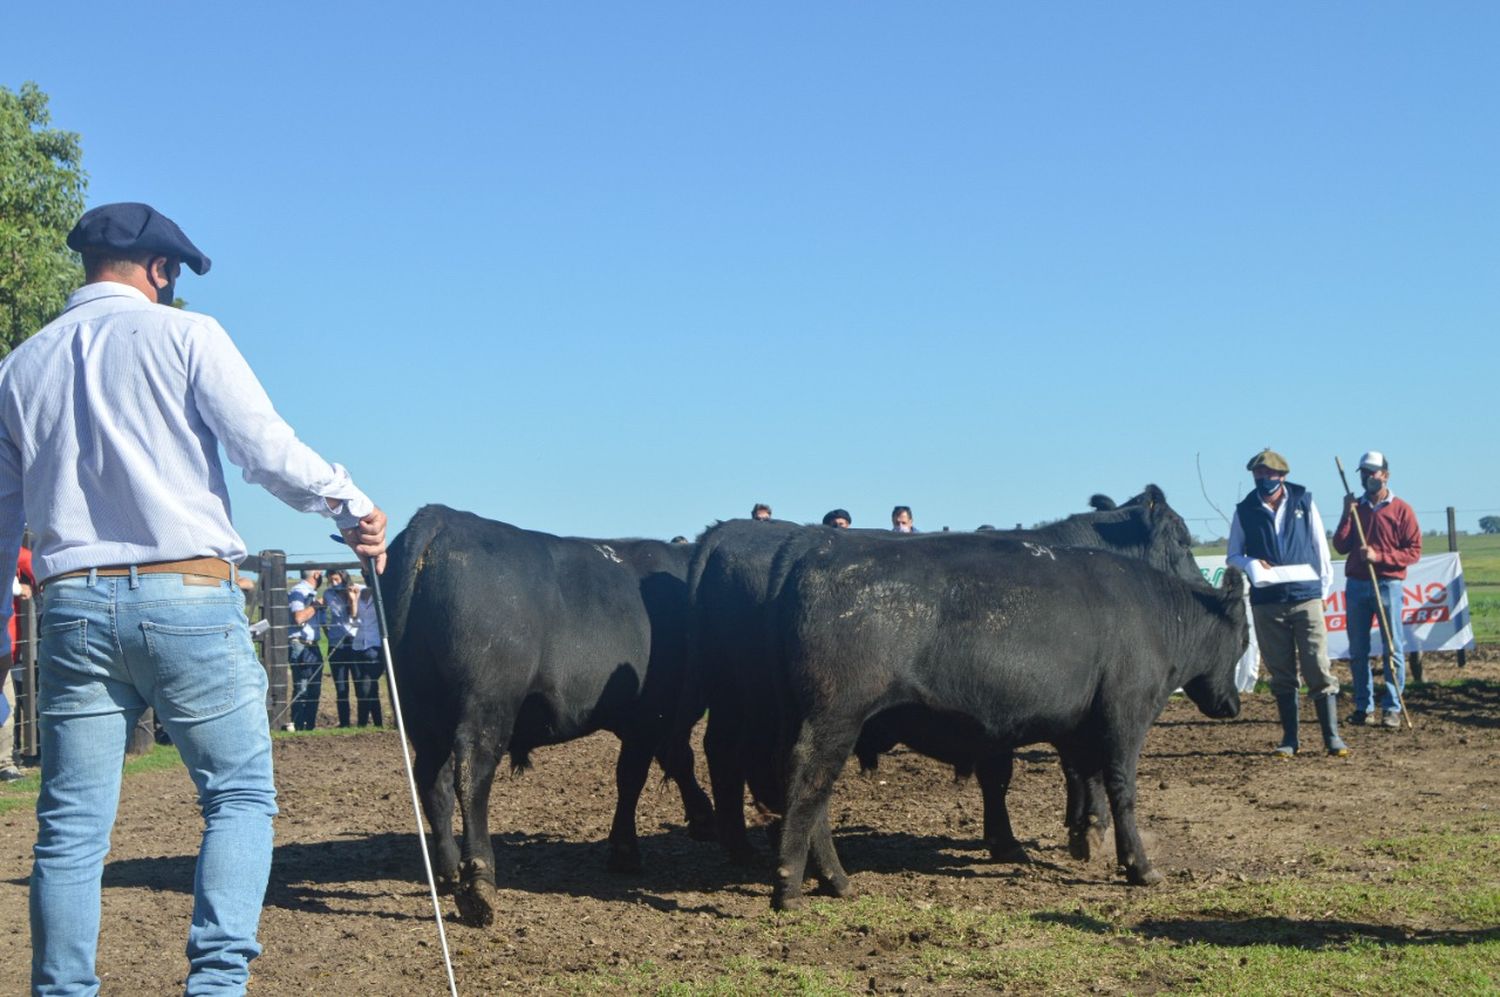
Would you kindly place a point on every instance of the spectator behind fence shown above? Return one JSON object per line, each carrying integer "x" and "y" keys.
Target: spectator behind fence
{"x": 338, "y": 624}
{"x": 839, "y": 519}
{"x": 760, "y": 511}
{"x": 140, "y": 609}
{"x": 901, "y": 520}
{"x": 10, "y": 749}
{"x": 367, "y": 658}
{"x": 306, "y": 656}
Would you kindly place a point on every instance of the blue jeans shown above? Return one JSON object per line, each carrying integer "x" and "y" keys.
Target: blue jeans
{"x": 341, "y": 665}
{"x": 109, "y": 648}
{"x": 1359, "y": 599}
{"x": 307, "y": 684}
{"x": 367, "y": 670}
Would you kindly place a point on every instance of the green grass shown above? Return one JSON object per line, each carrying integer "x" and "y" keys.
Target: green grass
{"x": 1480, "y": 554}
{"x": 1421, "y": 918}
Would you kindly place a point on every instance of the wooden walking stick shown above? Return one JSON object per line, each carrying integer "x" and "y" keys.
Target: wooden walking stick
{"x": 1385, "y": 623}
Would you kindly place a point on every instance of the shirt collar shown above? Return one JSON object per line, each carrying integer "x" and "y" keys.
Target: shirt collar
{"x": 104, "y": 289}
{"x": 1389, "y": 495}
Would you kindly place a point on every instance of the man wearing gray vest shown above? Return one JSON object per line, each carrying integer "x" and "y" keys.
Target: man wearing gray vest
{"x": 1277, "y": 539}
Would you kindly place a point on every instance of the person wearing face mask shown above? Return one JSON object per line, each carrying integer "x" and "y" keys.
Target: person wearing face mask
{"x": 112, "y": 418}
{"x": 1277, "y": 525}
{"x": 1393, "y": 542}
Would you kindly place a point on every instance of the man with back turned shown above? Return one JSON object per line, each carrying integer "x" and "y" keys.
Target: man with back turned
{"x": 111, "y": 420}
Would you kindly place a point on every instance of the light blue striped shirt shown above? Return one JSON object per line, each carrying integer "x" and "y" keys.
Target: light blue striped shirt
{"x": 111, "y": 418}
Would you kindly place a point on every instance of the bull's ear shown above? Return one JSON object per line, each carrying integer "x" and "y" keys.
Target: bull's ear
{"x": 1101, "y": 503}
{"x": 1232, "y": 588}
{"x": 1153, "y": 497}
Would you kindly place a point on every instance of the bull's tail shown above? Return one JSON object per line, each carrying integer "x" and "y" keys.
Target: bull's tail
{"x": 404, "y": 563}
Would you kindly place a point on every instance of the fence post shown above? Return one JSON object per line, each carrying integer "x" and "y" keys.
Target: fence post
{"x": 275, "y": 611}
{"x": 25, "y": 674}
{"x": 1453, "y": 546}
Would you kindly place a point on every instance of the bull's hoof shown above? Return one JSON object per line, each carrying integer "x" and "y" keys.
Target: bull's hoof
{"x": 785, "y": 900}
{"x": 476, "y": 902}
{"x": 1011, "y": 852}
{"x": 446, "y": 883}
{"x": 1137, "y": 876}
{"x": 624, "y": 859}
{"x": 838, "y": 886}
{"x": 1082, "y": 845}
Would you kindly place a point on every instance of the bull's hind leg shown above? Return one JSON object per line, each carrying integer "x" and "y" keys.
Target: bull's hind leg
{"x": 677, "y": 762}
{"x": 827, "y": 868}
{"x": 1119, "y": 782}
{"x": 433, "y": 769}
{"x": 822, "y": 747}
{"x": 474, "y": 774}
{"x": 631, "y": 770}
{"x": 1088, "y": 803}
{"x": 726, "y": 774}
{"x": 994, "y": 772}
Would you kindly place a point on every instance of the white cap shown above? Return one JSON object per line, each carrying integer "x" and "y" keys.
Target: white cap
{"x": 1373, "y": 460}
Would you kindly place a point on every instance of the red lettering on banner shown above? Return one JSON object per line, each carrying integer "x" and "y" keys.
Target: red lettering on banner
{"x": 1336, "y": 622}
{"x": 1335, "y": 602}
{"x": 1436, "y": 592}
{"x": 1411, "y": 595}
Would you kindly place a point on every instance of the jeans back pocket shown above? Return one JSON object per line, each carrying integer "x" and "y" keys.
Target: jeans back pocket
{"x": 69, "y": 678}
{"x": 197, "y": 667}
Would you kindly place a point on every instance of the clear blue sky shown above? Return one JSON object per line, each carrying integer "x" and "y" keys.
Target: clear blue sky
{"x": 624, "y": 269}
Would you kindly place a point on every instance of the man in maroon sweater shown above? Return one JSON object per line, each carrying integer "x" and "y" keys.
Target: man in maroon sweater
{"x": 1393, "y": 540}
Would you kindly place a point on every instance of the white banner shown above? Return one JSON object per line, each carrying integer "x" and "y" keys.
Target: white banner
{"x": 1434, "y": 609}
{"x": 1434, "y": 612}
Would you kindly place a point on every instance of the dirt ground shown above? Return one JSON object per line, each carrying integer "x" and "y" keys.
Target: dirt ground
{"x": 347, "y": 911}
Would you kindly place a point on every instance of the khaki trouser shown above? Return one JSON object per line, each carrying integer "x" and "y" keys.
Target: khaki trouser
{"x": 1289, "y": 634}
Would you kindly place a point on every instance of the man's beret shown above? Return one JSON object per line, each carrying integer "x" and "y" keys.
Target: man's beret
{"x": 1270, "y": 459}
{"x": 129, "y": 228}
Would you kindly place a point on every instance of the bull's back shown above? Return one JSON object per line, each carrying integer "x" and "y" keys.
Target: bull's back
{"x": 1021, "y": 638}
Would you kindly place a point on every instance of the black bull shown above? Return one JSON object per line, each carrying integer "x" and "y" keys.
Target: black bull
{"x": 998, "y": 643}
{"x": 732, "y": 586}
{"x": 506, "y": 640}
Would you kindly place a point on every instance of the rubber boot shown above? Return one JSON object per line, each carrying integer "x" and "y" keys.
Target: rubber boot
{"x": 1286, "y": 708}
{"x": 1328, "y": 719}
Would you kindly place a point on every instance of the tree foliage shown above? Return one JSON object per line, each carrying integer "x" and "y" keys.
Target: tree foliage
{"x": 41, "y": 195}
{"x": 1489, "y": 524}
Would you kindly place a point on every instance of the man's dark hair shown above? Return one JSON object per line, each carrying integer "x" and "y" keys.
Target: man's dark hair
{"x": 843, "y": 514}
{"x": 758, "y": 507}
{"x": 899, "y": 510}
{"x": 983, "y": 528}
{"x": 112, "y": 260}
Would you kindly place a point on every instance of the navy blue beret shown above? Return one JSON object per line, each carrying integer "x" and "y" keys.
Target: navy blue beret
{"x": 129, "y": 227}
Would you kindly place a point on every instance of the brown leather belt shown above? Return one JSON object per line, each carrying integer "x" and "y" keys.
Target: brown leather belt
{"x": 203, "y": 567}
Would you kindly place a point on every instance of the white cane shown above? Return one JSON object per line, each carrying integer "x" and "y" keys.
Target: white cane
{"x": 411, "y": 781}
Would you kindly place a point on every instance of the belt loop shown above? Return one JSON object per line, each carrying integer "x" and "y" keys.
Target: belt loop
{"x": 135, "y": 579}
{"x": 93, "y": 577}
